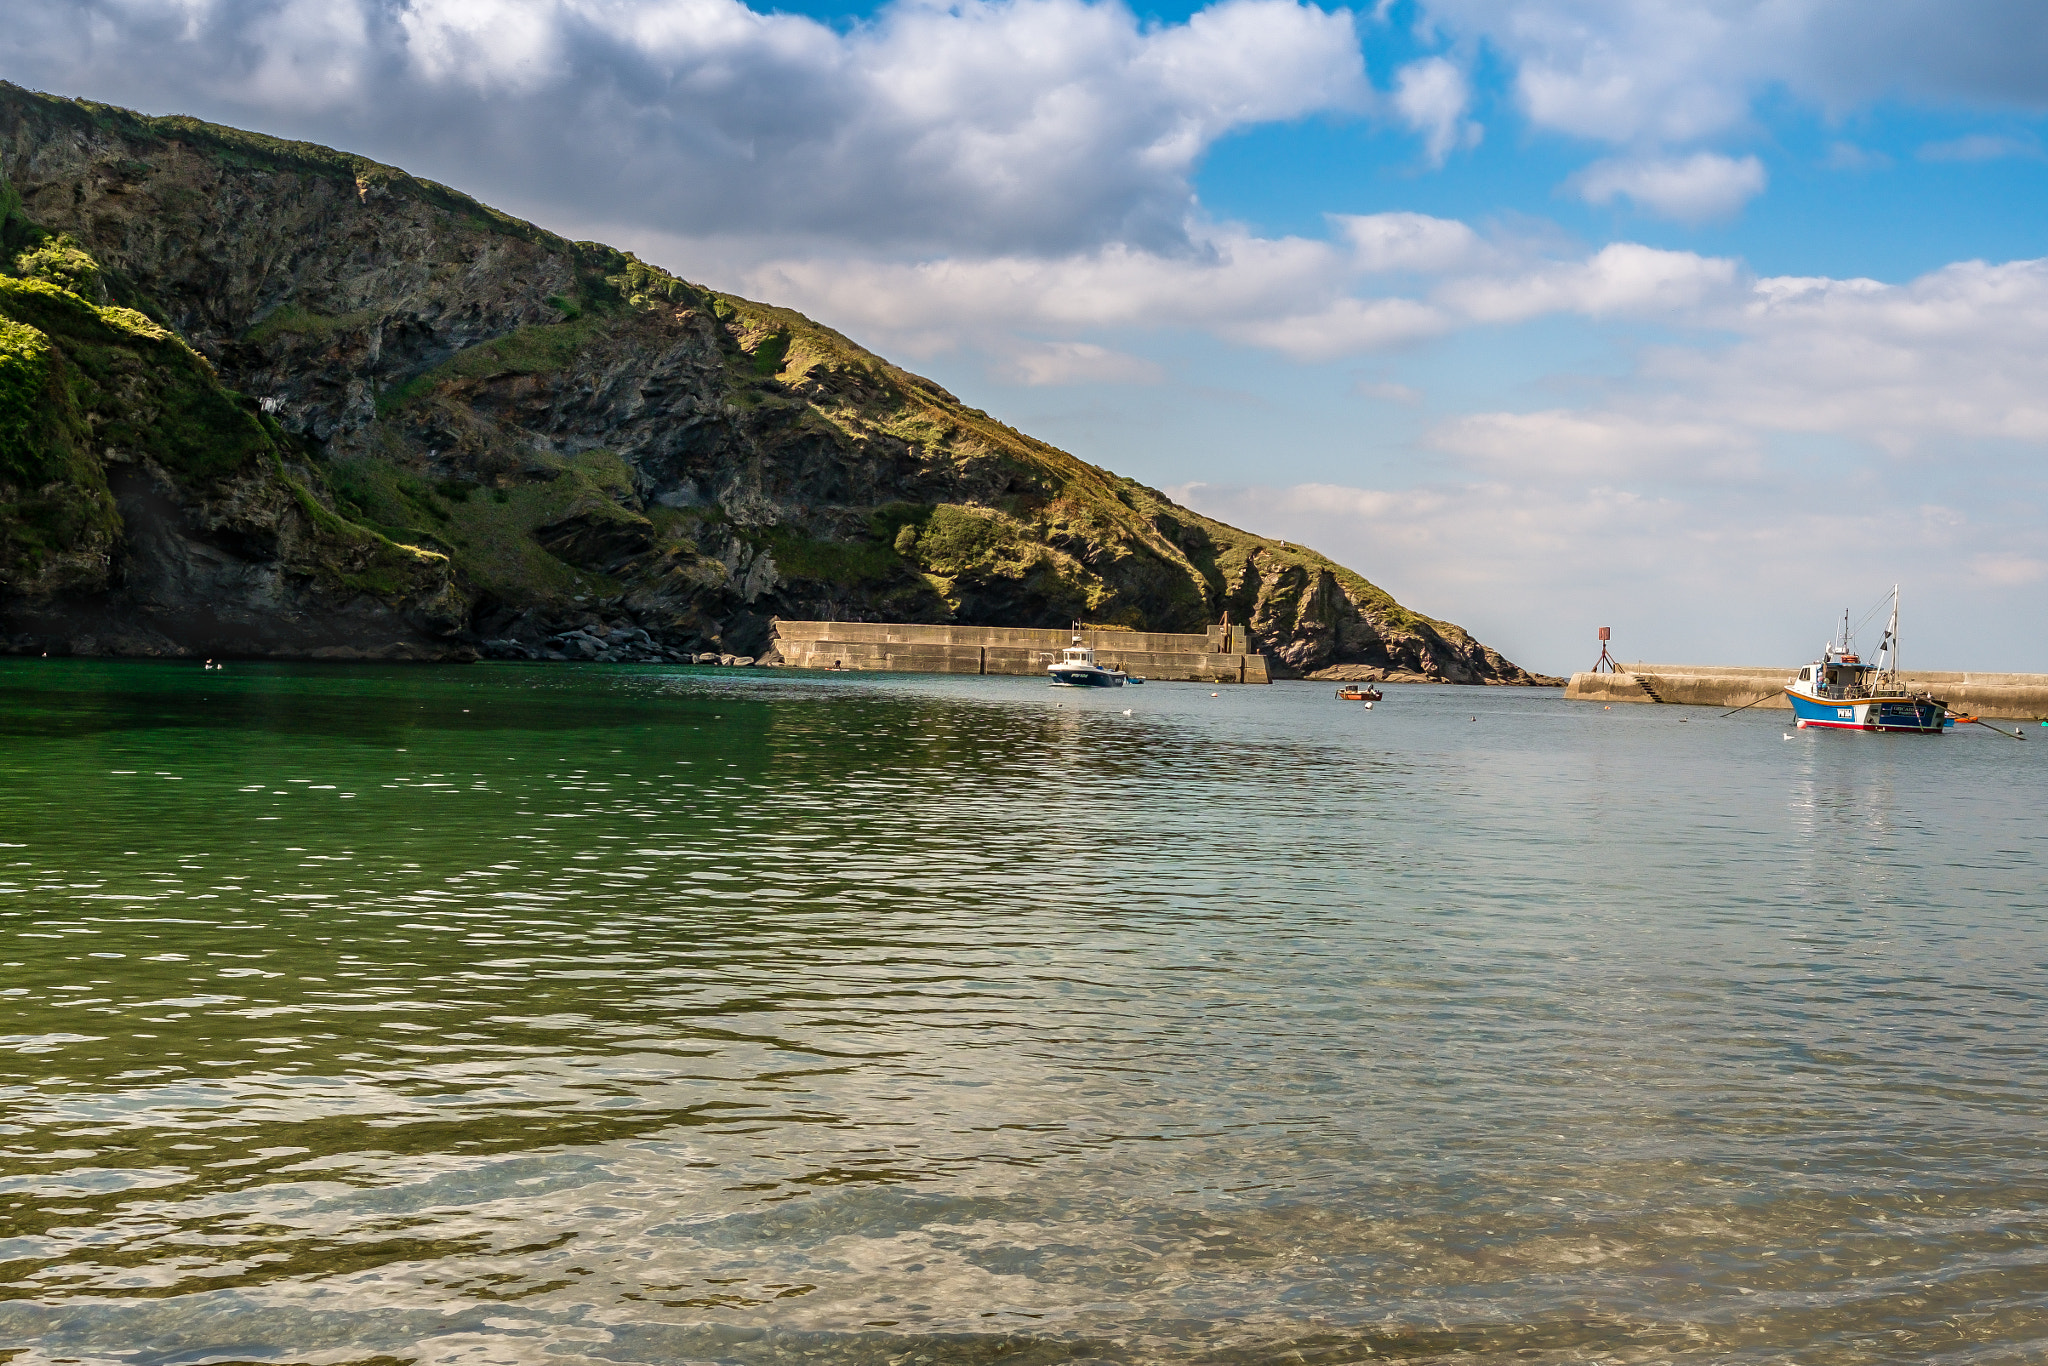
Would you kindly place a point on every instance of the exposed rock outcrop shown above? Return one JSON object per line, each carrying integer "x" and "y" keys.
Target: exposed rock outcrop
{"x": 262, "y": 397}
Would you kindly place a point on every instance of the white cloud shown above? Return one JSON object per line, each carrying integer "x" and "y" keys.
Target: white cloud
{"x": 1620, "y": 72}
{"x": 1690, "y": 189}
{"x": 1408, "y": 241}
{"x": 1252, "y": 61}
{"x": 305, "y": 54}
{"x": 1943, "y": 379}
{"x": 492, "y": 46}
{"x": 1980, "y": 147}
{"x": 1651, "y": 76}
{"x": 1960, "y": 353}
{"x": 1346, "y": 326}
{"x": 1558, "y": 445}
{"x": 1045, "y": 126}
{"x": 1052, "y": 363}
{"x": 1431, "y": 95}
{"x": 1310, "y": 300}
{"x": 1624, "y": 279}
{"x": 2009, "y": 570}
{"x": 1232, "y": 278}
{"x": 1634, "y": 73}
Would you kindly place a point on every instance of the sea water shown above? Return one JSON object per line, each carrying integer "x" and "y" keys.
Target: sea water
{"x": 577, "y": 1014}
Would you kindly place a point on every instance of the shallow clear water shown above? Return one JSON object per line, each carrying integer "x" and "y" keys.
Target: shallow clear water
{"x": 586, "y": 1014}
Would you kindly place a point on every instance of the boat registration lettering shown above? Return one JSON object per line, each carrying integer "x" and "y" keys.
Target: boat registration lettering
{"x": 1846, "y": 713}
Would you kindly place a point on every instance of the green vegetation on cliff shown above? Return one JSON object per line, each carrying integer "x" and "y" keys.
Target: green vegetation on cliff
{"x": 85, "y": 385}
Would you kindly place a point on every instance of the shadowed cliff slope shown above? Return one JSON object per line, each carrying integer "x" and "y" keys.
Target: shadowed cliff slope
{"x": 260, "y": 397}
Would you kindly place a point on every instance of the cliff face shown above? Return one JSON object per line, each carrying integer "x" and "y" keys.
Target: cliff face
{"x": 264, "y": 398}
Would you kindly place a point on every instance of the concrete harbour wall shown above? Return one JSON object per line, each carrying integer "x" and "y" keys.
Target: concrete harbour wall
{"x": 2006, "y": 696}
{"x": 1220, "y": 656}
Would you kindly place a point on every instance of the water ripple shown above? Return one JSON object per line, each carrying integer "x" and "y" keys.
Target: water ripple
{"x": 630, "y": 1015}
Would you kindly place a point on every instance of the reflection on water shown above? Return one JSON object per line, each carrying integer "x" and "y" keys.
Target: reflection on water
{"x": 615, "y": 1015}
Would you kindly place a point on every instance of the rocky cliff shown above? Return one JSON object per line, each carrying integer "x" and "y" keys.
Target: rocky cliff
{"x": 264, "y": 398}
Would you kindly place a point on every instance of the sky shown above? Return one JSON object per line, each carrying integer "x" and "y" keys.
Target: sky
{"x": 1703, "y": 321}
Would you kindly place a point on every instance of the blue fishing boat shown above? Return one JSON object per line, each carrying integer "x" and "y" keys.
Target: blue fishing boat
{"x": 1839, "y": 691}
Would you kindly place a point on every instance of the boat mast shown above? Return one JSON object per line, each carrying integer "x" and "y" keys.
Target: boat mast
{"x": 1888, "y": 652}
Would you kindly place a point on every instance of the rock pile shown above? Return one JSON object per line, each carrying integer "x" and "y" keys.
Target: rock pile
{"x": 602, "y": 643}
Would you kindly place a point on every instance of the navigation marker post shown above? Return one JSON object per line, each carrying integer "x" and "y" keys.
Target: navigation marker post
{"x": 1606, "y": 664}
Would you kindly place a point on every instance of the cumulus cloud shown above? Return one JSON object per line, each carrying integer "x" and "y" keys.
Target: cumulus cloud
{"x": 1961, "y": 352}
{"x": 1345, "y": 326}
{"x": 1616, "y": 72}
{"x": 1304, "y": 298}
{"x": 980, "y": 125}
{"x": 1625, "y": 279}
{"x": 1690, "y": 189}
{"x": 1232, "y": 275}
{"x": 1950, "y": 368}
{"x": 1625, "y": 72}
{"x": 1408, "y": 241}
{"x": 1432, "y": 96}
{"x": 1650, "y": 77}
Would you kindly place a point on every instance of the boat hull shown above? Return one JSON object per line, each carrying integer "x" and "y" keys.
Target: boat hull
{"x": 1086, "y": 676}
{"x": 1896, "y": 715}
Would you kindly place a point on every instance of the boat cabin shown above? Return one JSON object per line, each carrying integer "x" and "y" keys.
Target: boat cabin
{"x": 1837, "y": 676}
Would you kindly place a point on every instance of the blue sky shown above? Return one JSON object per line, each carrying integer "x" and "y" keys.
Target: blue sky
{"x": 1702, "y": 320}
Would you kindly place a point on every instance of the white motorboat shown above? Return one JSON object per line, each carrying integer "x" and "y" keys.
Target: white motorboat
{"x": 1076, "y": 668}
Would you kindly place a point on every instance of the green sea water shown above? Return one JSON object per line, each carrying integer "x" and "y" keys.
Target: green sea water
{"x": 580, "y": 1014}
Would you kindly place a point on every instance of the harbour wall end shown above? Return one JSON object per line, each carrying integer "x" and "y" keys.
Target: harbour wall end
{"x": 2006, "y": 696}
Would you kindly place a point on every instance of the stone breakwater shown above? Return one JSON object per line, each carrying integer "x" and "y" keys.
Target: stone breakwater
{"x": 1220, "y": 656}
{"x": 2003, "y": 695}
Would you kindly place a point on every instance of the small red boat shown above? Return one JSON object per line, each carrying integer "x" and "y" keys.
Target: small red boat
{"x": 1354, "y": 692}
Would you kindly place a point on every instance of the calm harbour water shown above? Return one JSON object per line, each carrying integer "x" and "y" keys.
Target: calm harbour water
{"x": 615, "y": 1015}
